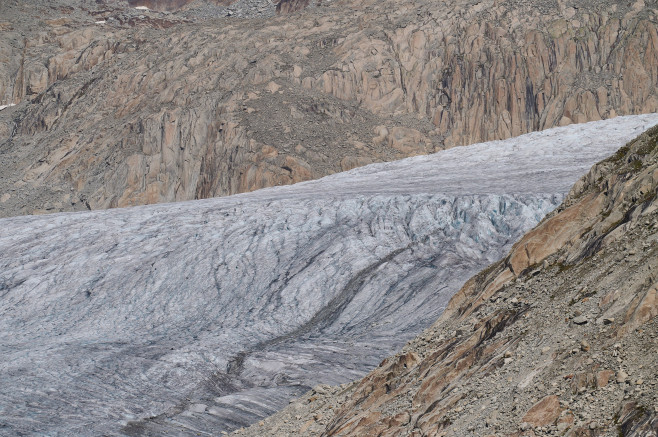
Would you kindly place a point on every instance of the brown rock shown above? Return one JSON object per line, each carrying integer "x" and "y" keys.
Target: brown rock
{"x": 565, "y": 421}
{"x": 158, "y": 122}
{"x": 400, "y": 419}
{"x": 409, "y": 141}
{"x": 603, "y": 377}
{"x": 545, "y": 412}
{"x": 553, "y": 234}
{"x": 642, "y": 309}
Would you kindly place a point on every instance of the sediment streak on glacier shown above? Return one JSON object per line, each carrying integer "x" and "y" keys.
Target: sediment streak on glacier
{"x": 206, "y": 315}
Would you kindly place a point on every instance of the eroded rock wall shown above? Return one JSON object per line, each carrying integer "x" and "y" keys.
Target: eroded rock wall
{"x": 290, "y": 6}
{"x": 154, "y": 108}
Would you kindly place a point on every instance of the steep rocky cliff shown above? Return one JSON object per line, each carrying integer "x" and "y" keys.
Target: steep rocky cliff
{"x": 146, "y": 107}
{"x": 557, "y": 338}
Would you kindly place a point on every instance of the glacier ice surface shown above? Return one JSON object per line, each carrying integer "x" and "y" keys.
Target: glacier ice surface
{"x": 202, "y": 316}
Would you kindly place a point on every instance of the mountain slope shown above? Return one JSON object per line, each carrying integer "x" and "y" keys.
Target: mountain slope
{"x": 557, "y": 338}
{"x": 209, "y": 315}
{"x": 151, "y": 107}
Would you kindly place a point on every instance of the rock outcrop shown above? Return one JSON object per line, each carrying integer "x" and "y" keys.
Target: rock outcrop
{"x": 558, "y": 338}
{"x": 149, "y": 107}
{"x": 290, "y": 6}
{"x": 171, "y": 5}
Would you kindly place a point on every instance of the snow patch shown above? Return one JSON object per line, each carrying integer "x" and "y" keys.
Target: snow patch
{"x": 142, "y": 8}
{"x": 6, "y": 106}
{"x": 100, "y": 22}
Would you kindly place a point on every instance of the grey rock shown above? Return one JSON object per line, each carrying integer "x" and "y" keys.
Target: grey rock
{"x": 580, "y": 320}
{"x": 621, "y": 376}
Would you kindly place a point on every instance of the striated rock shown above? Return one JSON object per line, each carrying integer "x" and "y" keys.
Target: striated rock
{"x": 177, "y": 107}
{"x": 544, "y": 412}
{"x": 643, "y": 308}
{"x": 170, "y": 5}
{"x": 290, "y": 6}
{"x": 637, "y": 421}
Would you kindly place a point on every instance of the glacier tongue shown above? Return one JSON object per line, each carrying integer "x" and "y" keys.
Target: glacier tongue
{"x": 204, "y": 316}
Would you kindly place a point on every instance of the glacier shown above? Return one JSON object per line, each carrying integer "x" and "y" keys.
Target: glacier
{"x": 199, "y": 317}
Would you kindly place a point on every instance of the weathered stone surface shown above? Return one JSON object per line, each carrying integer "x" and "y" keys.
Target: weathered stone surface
{"x": 603, "y": 377}
{"x": 643, "y": 308}
{"x": 580, "y": 320}
{"x": 174, "y": 107}
{"x": 637, "y": 421}
{"x": 290, "y": 6}
{"x": 170, "y": 5}
{"x": 544, "y": 412}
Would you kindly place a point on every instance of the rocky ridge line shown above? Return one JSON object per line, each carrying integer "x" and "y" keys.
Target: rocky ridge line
{"x": 153, "y": 107}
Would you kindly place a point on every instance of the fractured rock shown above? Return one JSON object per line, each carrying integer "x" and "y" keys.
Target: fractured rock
{"x": 545, "y": 412}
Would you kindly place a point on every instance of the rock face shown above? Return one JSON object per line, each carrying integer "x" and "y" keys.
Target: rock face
{"x": 165, "y": 5}
{"x": 505, "y": 358}
{"x": 544, "y": 413}
{"x": 290, "y": 6}
{"x": 151, "y": 107}
{"x": 203, "y": 316}
{"x": 160, "y": 5}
